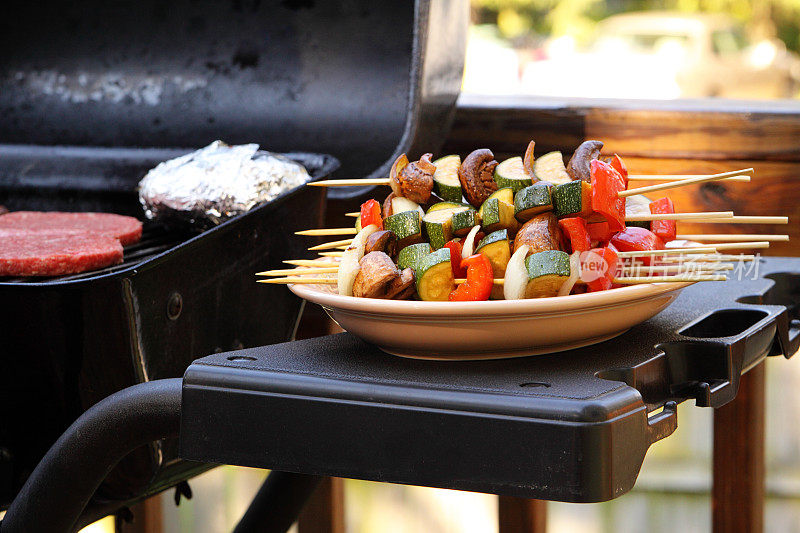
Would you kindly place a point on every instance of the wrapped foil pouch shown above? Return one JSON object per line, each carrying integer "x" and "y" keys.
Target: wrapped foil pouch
{"x": 215, "y": 183}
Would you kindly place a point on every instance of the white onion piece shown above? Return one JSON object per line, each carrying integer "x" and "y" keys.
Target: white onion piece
{"x": 516, "y": 278}
{"x": 349, "y": 266}
{"x": 469, "y": 242}
{"x": 574, "y": 274}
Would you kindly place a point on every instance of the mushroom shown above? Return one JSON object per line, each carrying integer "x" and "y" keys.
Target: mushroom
{"x": 413, "y": 180}
{"x": 387, "y": 205}
{"x": 402, "y": 288}
{"x": 382, "y": 241}
{"x": 476, "y": 175}
{"x": 379, "y": 277}
{"x": 540, "y": 233}
{"x": 578, "y": 166}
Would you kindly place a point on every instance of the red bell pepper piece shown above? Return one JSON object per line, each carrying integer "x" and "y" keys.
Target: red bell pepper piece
{"x": 606, "y": 184}
{"x": 455, "y": 259}
{"x": 479, "y": 282}
{"x": 371, "y": 214}
{"x": 578, "y": 234}
{"x": 619, "y": 166}
{"x": 599, "y": 268}
{"x": 635, "y": 239}
{"x": 665, "y": 229}
{"x": 599, "y": 232}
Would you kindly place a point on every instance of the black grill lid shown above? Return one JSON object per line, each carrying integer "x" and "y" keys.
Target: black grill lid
{"x": 358, "y": 79}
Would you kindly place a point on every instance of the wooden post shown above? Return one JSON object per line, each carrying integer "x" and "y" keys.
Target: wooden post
{"x": 738, "y": 493}
{"x": 148, "y": 517}
{"x": 521, "y": 515}
{"x": 324, "y": 511}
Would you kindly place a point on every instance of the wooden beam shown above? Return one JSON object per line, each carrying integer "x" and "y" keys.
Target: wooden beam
{"x": 738, "y": 491}
{"x": 148, "y": 517}
{"x": 521, "y": 515}
{"x": 324, "y": 511}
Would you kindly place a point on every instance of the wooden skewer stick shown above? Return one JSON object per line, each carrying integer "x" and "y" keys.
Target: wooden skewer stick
{"x": 300, "y": 280}
{"x": 708, "y": 258}
{"x": 740, "y": 245}
{"x": 746, "y": 219}
{"x": 681, "y": 183}
{"x": 681, "y": 268}
{"x": 676, "y": 177}
{"x": 331, "y": 245}
{"x": 327, "y": 231}
{"x": 354, "y": 214}
{"x": 670, "y": 251}
{"x": 331, "y": 254}
{"x": 645, "y": 217}
{"x": 661, "y": 279}
{"x": 733, "y": 237}
{"x": 311, "y": 263}
{"x": 350, "y": 183}
{"x": 299, "y": 271}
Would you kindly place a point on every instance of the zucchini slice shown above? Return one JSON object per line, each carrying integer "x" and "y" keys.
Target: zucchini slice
{"x": 465, "y": 220}
{"x": 439, "y": 226}
{"x": 445, "y": 179}
{"x": 573, "y": 199}
{"x": 406, "y": 226}
{"x": 547, "y": 272}
{"x": 401, "y": 205}
{"x": 435, "y": 276}
{"x": 511, "y": 173}
{"x": 411, "y": 255}
{"x": 550, "y": 167}
{"x": 497, "y": 249}
{"x": 531, "y": 201}
{"x": 447, "y": 205}
{"x": 497, "y": 212}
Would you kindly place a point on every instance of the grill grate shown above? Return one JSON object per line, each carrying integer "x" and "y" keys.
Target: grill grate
{"x": 155, "y": 240}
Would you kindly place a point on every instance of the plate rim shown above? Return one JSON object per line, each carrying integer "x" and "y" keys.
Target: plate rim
{"x": 533, "y": 306}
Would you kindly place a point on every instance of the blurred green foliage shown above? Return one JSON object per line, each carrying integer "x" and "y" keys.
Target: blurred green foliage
{"x": 534, "y": 19}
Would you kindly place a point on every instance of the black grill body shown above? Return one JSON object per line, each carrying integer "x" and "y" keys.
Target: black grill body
{"x": 69, "y": 342}
{"x": 93, "y": 94}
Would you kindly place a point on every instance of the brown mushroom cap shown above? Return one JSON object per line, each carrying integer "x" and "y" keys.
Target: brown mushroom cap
{"x": 476, "y": 175}
{"x": 377, "y": 271}
{"x": 387, "y": 205}
{"x": 402, "y": 287}
{"x": 540, "y": 233}
{"x": 416, "y": 180}
{"x": 382, "y": 241}
{"x": 578, "y": 166}
{"x": 394, "y": 174}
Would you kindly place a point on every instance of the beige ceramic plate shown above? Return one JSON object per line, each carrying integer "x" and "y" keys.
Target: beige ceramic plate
{"x": 494, "y": 329}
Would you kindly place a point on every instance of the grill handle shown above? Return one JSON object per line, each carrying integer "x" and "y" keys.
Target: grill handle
{"x": 58, "y": 490}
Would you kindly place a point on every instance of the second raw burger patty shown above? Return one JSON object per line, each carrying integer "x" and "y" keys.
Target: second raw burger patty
{"x": 55, "y": 252}
{"x": 127, "y": 229}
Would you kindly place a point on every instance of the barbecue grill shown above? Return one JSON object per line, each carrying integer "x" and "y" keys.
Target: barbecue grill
{"x": 93, "y": 94}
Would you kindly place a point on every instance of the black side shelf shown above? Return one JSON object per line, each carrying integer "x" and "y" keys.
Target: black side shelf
{"x": 572, "y": 426}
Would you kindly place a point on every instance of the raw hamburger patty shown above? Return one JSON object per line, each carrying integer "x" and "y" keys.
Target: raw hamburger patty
{"x": 55, "y": 252}
{"x": 127, "y": 229}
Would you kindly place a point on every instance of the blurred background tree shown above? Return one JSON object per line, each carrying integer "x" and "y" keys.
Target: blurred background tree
{"x": 533, "y": 20}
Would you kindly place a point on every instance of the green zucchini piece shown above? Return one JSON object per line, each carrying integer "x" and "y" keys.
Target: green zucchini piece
{"x": 445, "y": 179}
{"x": 497, "y": 212}
{"x": 638, "y": 204}
{"x": 435, "y": 276}
{"x": 511, "y": 173}
{"x": 506, "y": 194}
{"x": 406, "y": 226}
{"x": 547, "y": 272}
{"x": 465, "y": 220}
{"x": 439, "y": 226}
{"x": 531, "y": 201}
{"x": 410, "y": 255}
{"x": 447, "y": 205}
{"x": 401, "y": 204}
{"x": 497, "y": 248}
{"x": 550, "y": 167}
{"x": 572, "y": 199}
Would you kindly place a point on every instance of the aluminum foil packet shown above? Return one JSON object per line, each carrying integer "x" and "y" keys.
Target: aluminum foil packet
{"x": 215, "y": 183}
